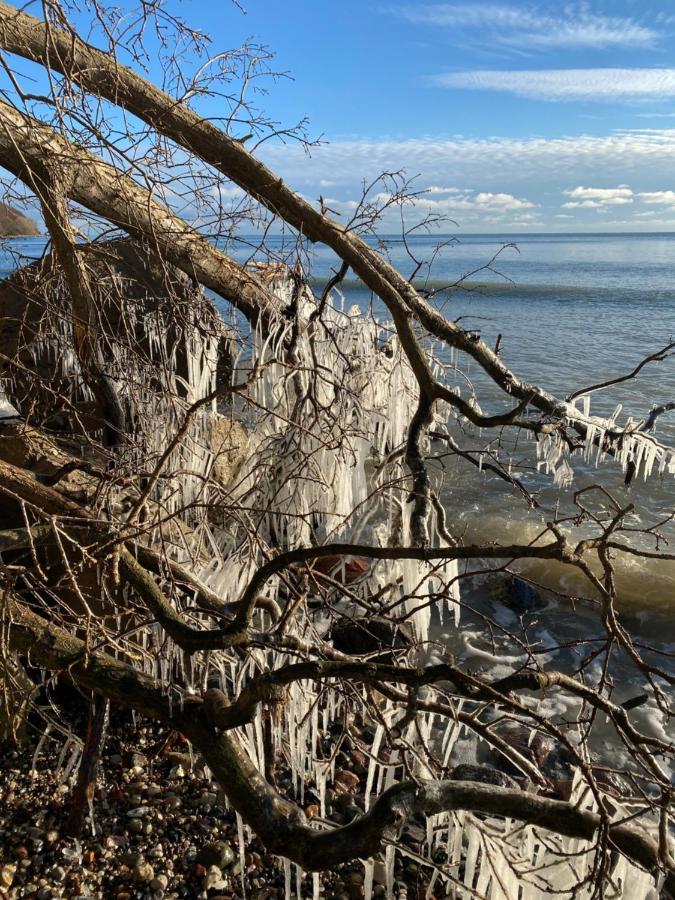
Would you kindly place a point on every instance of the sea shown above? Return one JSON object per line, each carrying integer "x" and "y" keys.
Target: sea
{"x": 570, "y": 311}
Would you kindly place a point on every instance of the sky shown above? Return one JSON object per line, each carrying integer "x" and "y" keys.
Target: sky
{"x": 515, "y": 116}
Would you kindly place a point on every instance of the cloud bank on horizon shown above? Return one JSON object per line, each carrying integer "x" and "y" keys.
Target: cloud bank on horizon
{"x": 621, "y": 181}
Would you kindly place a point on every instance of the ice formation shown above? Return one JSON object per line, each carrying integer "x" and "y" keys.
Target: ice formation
{"x": 328, "y": 412}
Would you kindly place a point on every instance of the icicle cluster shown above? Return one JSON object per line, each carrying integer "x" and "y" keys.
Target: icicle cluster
{"x": 333, "y": 399}
{"x": 630, "y": 443}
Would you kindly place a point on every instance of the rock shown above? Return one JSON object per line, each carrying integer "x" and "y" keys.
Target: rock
{"x": 15, "y": 224}
{"x": 346, "y": 782}
{"x": 58, "y": 873}
{"x": 143, "y": 871}
{"x": 379, "y": 872}
{"x": 138, "y": 812}
{"x": 213, "y": 880}
{"x": 228, "y": 442}
{"x": 7, "y": 874}
{"x": 159, "y": 883}
{"x": 368, "y": 636}
{"x": 516, "y": 593}
{"x": 216, "y": 853}
{"x": 345, "y": 569}
{"x": 208, "y": 800}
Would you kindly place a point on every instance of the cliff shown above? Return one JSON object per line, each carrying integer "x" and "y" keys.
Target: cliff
{"x": 13, "y": 223}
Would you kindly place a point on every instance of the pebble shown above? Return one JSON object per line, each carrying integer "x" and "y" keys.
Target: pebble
{"x": 379, "y": 872}
{"x": 216, "y": 853}
{"x": 139, "y": 812}
{"x": 159, "y": 883}
{"x": 7, "y": 874}
{"x": 143, "y": 871}
{"x": 213, "y": 880}
{"x": 58, "y": 873}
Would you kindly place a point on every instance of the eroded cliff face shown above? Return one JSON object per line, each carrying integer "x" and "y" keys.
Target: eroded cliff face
{"x": 15, "y": 224}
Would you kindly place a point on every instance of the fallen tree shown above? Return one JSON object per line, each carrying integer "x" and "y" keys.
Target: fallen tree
{"x": 243, "y": 579}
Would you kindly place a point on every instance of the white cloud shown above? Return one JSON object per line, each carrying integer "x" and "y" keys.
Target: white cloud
{"x": 658, "y": 197}
{"x": 597, "y": 204}
{"x": 501, "y": 201}
{"x": 435, "y": 189}
{"x": 605, "y": 194}
{"x": 511, "y": 26}
{"x": 449, "y": 202}
{"x": 567, "y": 84}
{"x": 598, "y": 198}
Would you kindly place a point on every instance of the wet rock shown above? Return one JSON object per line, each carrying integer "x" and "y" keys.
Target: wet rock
{"x": 216, "y": 853}
{"x": 346, "y": 782}
{"x": 365, "y": 637}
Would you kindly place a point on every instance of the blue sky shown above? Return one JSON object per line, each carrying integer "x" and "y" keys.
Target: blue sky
{"x": 513, "y": 116}
{"x": 517, "y": 116}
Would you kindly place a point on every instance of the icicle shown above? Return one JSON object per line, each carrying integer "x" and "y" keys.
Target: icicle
{"x": 389, "y": 858}
{"x": 242, "y": 853}
{"x": 369, "y": 873}
{"x": 287, "y": 877}
{"x": 372, "y": 765}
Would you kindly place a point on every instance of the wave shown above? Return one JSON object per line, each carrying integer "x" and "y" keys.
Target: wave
{"x": 518, "y": 290}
